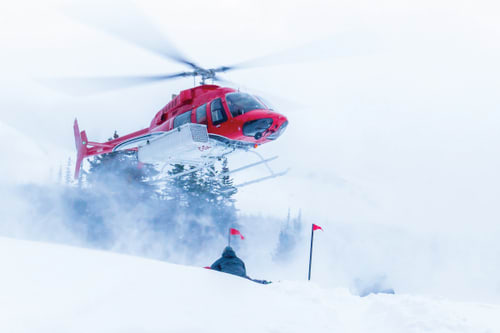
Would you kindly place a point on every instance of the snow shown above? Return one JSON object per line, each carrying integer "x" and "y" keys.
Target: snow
{"x": 55, "y": 288}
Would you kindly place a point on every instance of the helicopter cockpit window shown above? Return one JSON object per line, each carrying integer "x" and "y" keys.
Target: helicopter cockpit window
{"x": 265, "y": 102}
{"x": 241, "y": 103}
{"x": 182, "y": 119}
{"x": 201, "y": 114}
{"x": 218, "y": 114}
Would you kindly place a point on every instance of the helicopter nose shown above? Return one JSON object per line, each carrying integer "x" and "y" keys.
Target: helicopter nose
{"x": 256, "y": 127}
{"x": 279, "y": 131}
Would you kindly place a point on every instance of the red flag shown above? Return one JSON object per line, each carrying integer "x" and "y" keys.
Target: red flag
{"x": 316, "y": 227}
{"x": 236, "y": 232}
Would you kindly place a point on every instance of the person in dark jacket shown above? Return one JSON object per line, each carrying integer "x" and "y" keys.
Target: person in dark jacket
{"x": 230, "y": 263}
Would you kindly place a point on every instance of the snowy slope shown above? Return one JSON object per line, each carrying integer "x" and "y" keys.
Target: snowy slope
{"x": 54, "y": 288}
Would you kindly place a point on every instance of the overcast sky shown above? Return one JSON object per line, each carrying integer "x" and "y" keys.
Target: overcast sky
{"x": 394, "y": 120}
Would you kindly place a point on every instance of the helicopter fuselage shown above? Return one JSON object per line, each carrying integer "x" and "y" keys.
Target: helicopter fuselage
{"x": 203, "y": 104}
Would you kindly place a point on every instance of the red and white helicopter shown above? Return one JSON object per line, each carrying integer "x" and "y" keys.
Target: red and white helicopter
{"x": 198, "y": 126}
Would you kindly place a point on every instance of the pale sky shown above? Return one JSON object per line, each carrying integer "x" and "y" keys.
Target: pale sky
{"x": 401, "y": 128}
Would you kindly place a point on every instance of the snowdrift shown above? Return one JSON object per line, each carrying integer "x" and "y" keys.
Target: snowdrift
{"x": 55, "y": 288}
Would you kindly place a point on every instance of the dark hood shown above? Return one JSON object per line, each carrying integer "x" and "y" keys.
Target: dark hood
{"x": 228, "y": 252}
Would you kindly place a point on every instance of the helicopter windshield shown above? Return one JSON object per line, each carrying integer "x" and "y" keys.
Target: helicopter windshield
{"x": 240, "y": 103}
{"x": 265, "y": 102}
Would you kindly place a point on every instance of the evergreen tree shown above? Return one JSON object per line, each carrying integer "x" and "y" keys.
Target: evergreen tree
{"x": 123, "y": 175}
{"x": 68, "y": 179}
{"x": 289, "y": 235}
{"x": 59, "y": 175}
{"x": 205, "y": 193}
{"x": 114, "y": 182}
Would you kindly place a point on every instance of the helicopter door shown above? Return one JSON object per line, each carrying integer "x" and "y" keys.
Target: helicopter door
{"x": 217, "y": 112}
{"x": 201, "y": 114}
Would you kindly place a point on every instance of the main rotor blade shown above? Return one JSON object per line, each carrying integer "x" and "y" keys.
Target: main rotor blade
{"x": 84, "y": 86}
{"x": 222, "y": 80}
{"x": 126, "y": 22}
{"x": 265, "y": 96}
{"x": 336, "y": 46}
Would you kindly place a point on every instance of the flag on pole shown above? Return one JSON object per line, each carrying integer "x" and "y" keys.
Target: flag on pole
{"x": 233, "y": 231}
{"x": 316, "y": 227}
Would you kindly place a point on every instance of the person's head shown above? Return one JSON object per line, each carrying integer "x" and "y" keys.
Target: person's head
{"x": 228, "y": 252}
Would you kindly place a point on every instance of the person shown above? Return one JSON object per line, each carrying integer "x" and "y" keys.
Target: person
{"x": 231, "y": 264}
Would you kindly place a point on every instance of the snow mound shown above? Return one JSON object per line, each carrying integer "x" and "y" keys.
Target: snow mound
{"x": 55, "y": 288}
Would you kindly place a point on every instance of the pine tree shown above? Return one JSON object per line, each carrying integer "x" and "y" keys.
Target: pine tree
{"x": 122, "y": 174}
{"x": 68, "y": 179}
{"x": 59, "y": 175}
{"x": 226, "y": 188}
{"x": 119, "y": 181}
{"x": 289, "y": 236}
{"x": 205, "y": 193}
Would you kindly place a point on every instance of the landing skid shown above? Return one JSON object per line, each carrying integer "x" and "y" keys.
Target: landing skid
{"x": 258, "y": 180}
{"x": 224, "y": 174}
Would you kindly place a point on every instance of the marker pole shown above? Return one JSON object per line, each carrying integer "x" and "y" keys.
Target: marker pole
{"x": 311, "y": 252}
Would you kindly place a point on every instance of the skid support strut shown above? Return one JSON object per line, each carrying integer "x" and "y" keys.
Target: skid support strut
{"x": 224, "y": 174}
{"x": 258, "y": 180}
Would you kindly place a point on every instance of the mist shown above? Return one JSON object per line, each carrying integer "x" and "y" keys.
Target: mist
{"x": 362, "y": 258}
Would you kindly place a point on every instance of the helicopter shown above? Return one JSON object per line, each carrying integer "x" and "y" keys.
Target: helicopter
{"x": 198, "y": 126}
